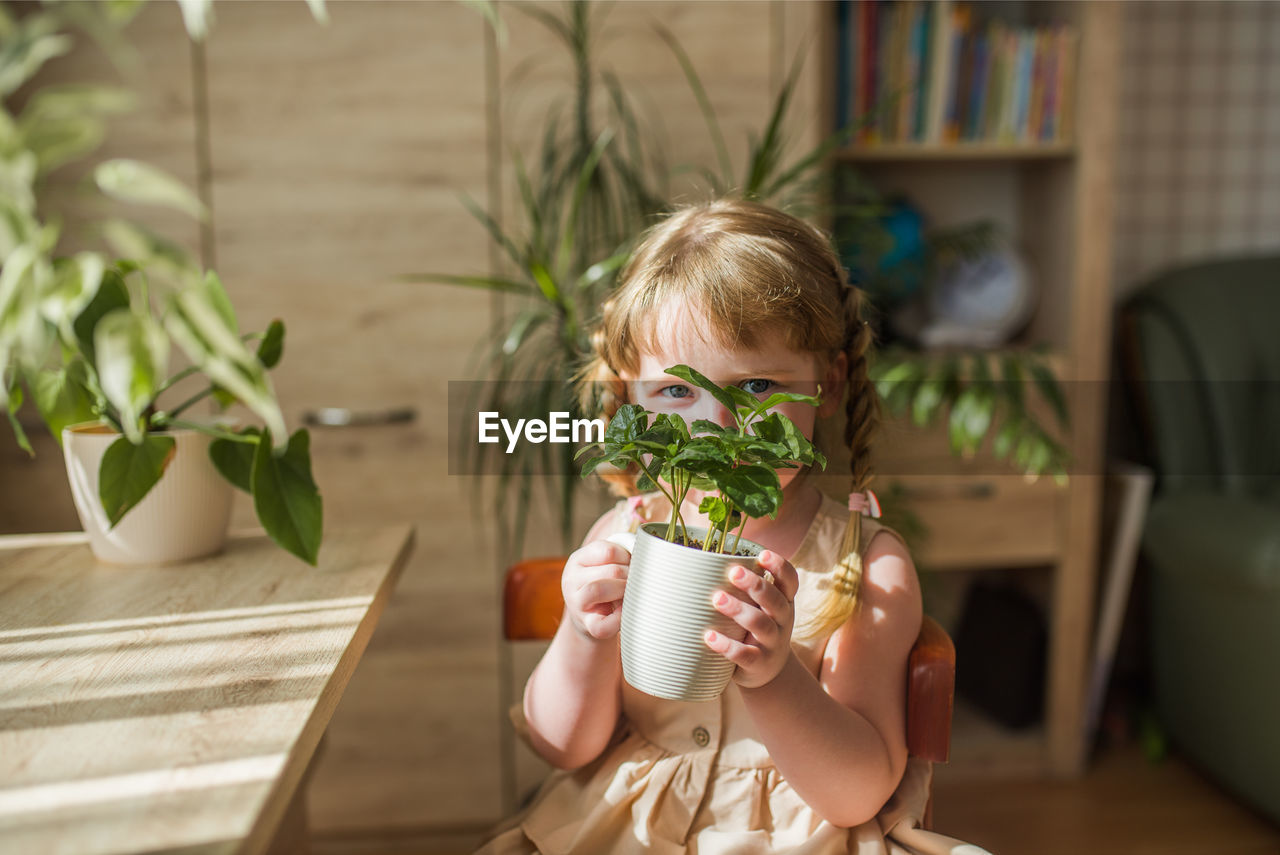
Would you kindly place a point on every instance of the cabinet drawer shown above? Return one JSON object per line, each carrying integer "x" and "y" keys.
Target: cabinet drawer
{"x": 977, "y": 521}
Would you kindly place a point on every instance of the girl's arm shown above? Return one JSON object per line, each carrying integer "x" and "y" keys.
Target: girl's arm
{"x": 573, "y": 699}
{"x": 841, "y": 742}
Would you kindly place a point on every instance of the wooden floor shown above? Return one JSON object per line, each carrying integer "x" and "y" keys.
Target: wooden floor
{"x": 1124, "y": 805}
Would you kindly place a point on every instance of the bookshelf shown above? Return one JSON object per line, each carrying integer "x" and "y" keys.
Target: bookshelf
{"x": 1049, "y": 192}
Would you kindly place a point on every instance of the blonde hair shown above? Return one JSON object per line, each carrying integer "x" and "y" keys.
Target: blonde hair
{"x": 748, "y": 268}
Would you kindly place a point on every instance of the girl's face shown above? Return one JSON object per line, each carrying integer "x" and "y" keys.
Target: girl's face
{"x": 771, "y": 367}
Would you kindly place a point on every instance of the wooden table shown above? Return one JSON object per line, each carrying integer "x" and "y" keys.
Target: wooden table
{"x": 179, "y": 707}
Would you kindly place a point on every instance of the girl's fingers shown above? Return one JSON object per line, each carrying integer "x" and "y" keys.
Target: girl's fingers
{"x": 743, "y": 655}
{"x": 770, "y": 597}
{"x": 600, "y": 552}
{"x": 602, "y": 626}
{"x": 761, "y": 626}
{"x": 600, "y": 591}
{"x": 786, "y": 579}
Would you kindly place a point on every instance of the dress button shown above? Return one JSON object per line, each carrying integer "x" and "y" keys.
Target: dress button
{"x": 701, "y": 737}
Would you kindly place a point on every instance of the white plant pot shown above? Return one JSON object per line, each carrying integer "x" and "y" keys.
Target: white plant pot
{"x": 184, "y": 516}
{"x": 667, "y": 609}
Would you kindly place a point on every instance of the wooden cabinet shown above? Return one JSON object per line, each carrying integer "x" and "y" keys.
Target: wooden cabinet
{"x": 1053, "y": 201}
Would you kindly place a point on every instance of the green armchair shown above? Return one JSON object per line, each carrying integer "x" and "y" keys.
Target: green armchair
{"x": 1202, "y": 349}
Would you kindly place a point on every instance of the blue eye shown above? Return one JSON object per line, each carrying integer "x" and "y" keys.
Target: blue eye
{"x": 675, "y": 391}
{"x": 756, "y": 386}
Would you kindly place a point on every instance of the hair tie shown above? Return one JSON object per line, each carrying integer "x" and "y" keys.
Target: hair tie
{"x": 865, "y": 503}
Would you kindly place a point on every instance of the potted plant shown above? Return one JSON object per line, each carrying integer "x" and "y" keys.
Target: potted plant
{"x": 90, "y": 344}
{"x": 87, "y": 340}
{"x": 675, "y": 568}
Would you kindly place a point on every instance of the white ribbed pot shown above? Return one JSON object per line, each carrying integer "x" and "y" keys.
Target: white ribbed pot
{"x": 184, "y": 516}
{"x": 667, "y": 609}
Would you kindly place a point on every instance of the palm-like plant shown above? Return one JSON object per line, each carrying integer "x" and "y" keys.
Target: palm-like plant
{"x": 594, "y": 182}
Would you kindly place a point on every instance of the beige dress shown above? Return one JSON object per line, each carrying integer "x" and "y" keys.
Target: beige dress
{"x": 695, "y": 777}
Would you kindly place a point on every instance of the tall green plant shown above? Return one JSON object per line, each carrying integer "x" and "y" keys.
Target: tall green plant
{"x": 593, "y": 182}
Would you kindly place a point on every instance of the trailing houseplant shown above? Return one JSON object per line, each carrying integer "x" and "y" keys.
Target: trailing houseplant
{"x": 87, "y": 339}
{"x": 92, "y": 347}
{"x": 675, "y": 568}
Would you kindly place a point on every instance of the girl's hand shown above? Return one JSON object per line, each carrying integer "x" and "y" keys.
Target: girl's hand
{"x": 592, "y": 583}
{"x": 767, "y": 613}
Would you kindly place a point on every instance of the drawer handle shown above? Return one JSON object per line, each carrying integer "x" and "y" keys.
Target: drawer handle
{"x": 980, "y": 490}
{"x": 343, "y": 417}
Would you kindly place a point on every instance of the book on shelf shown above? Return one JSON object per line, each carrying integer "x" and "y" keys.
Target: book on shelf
{"x": 937, "y": 71}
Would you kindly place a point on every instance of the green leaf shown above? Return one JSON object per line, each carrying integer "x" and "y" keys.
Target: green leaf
{"x": 1005, "y": 438}
{"x": 788, "y": 398}
{"x": 133, "y": 357}
{"x": 202, "y": 333}
{"x": 755, "y": 490}
{"x": 138, "y": 244}
{"x": 702, "y": 456}
{"x": 20, "y": 435}
{"x": 627, "y": 423}
{"x": 710, "y": 428}
{"x": 546, "y": 284}
{"x": 677, "y": 424}
{"x": 140, "y": 183}
{"x": 487, "y": 283}
{"x": 489, "y": 10}
{"x": 63, "y": 398}
{"x": 129, "y": 470}
{"x": 704, "y": 103}
{"x": 592, "y": 463}
{"x": 601, "y": 269}
{"x": 220, "y": 301}
{"x": 30, "y": 46}
{"x": 645, "y": 482}
{"x": 319, "y": 11}
{"x": 744, "y": 403}
{"x": 927, "y": 399}
{"x": 689, "y": 375}
{"x": 969, "y": 420}
{"x": 777, "y": 428}
{"x": 75, "y": 284}
{"x": 23, "y": 332}
{"x": 69, "y": 100}
{"x": 111, "y": 294}
{"x": 286, "y": 498}
{"x": 235, "y": 459}
{"x": 271, "y": 348}
{"x": 715, "y": 509}
{"x": 1051, "y": 390}
{"x": 197, "y": 15}
{"x": 1011, "y": 374}
{"x": 58, "y": 141}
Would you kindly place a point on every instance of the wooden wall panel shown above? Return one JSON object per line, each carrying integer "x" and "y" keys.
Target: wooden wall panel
{"x": 337, "y": 156}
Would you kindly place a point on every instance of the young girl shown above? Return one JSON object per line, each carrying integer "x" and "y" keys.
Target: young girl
{"x": 805, "y": 752}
